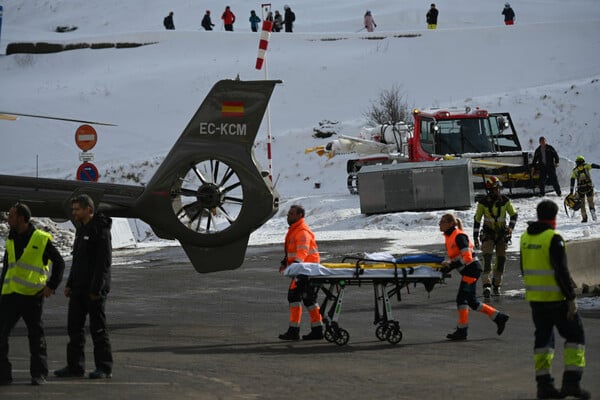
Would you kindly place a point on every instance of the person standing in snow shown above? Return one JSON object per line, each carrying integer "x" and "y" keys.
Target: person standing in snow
{"x": 288, "y": 18}
{"x": 509, "y": 14}
{"x": 254, "y": 20}
{"x": 545, "y": 160}
{"x": 431, "y": 17}
{"x": 585, "y": 187}
{"x": 369, "y": 22}
{"x": 277, "y": 21}
{"x": 206, "y": 22}
{"x": 168, "y": 22}
{"x": 228, "y": 18}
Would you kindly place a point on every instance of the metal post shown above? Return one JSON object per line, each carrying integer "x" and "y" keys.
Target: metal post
{"x": 1, "y": 12}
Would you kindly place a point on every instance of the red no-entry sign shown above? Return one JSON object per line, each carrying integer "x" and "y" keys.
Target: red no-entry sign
{"x": 86, "y": 137}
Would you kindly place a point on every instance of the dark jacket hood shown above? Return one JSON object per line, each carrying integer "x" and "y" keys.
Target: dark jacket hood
{"x": 537, "y": 227}
{"x": 102, "y": 221}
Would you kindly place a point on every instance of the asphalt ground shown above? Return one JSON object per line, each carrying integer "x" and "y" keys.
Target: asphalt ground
{"x": 177, "y": 334}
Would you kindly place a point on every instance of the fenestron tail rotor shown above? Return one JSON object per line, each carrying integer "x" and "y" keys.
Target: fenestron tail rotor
{"x": 208, "y": 198}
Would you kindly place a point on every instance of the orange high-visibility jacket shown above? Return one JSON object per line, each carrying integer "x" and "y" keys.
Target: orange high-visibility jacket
{"x": 456, "y": 254}
{"x": 300, "y": 244}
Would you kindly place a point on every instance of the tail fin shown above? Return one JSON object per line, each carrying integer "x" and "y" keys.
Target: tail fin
{"x": 210, "y": 193}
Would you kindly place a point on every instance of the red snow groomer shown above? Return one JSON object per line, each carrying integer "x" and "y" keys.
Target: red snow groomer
{"x": 488, "y": 139}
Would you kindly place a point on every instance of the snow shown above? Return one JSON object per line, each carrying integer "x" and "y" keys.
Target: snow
{"x": 545, "y": 71}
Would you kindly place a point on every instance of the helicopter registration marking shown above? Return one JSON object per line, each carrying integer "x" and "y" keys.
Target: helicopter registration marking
{"x": 210, "y": 128}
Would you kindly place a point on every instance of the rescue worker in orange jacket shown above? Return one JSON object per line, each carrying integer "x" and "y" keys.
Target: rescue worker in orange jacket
{"x": 460, "y": 257}
{"x": 300, "y": 246}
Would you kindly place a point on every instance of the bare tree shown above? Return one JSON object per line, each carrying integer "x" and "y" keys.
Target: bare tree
{"x": 389, "y": 108}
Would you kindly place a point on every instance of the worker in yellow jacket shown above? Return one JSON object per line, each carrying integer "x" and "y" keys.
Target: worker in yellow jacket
{"x": 549, "y": 290}
{"x": 26, "y": 281}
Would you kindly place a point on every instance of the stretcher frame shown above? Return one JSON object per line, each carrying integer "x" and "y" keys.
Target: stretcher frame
{"x": 368, "y": 271}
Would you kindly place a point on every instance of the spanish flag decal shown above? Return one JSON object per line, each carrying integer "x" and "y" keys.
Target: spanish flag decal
{"x": 232, "y": 109}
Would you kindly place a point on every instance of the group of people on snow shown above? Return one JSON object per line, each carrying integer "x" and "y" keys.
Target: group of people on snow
{"x": 285, "y": 21}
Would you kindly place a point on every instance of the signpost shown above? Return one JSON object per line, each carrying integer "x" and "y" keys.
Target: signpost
{"x": 1, "y": 12}
{"x": 86, "y": 138}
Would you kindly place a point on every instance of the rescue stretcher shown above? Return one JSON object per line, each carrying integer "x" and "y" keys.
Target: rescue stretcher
{"x": 387, "y": 274}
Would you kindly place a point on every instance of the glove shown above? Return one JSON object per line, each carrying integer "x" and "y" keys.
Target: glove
{"x": 445, "y": 270}
{"x": 572, "y": 304}
{"x": 476, "y": 241}
{"x": 571, "y": 191}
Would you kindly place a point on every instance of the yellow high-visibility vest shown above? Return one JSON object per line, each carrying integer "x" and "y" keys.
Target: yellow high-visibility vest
{"x": 29, "y": 273}
{"x": 538, "y": 274}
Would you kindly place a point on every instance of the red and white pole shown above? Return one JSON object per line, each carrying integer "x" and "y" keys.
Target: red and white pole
{"x": 265, "y": 34}
{"x": 267, "y": 26}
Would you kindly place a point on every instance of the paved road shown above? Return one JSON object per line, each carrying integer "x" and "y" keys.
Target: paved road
{"x": 180, "y": 335}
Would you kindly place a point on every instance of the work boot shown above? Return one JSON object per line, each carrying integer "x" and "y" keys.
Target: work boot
{"x": 293, "y": 333}
{"x": 593, "y": 212}
{"x": 500, "y": 321}
{"x": 458, "y": 334}
{"x": 496, "y": 290}
{"x": 546, "y": 389}
{"x": 38, "y": 380}
{"x": 571, "y": 387}
{"x": 316, "y": 333}
{"x": 100, "y": 374}
{"x": 584, "y": 219}
{"x": 487, "y": 291}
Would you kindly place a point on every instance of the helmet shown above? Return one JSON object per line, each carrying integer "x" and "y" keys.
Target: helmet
{"x": 492, "y": 182}
{"x": 580, "y": 160}
{"x": 506, "y": 5}
{"x": 573, "y": 202}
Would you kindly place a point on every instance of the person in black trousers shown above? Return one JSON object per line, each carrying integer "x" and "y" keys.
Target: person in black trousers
{"x": 545, "y": 160}
{"x": 25, "y": 284}
{"x": 87, "y": 288}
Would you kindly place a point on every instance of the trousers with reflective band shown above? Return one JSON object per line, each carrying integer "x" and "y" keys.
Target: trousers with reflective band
{"x": 29, "y": 273}
{"x": 538, "y": 274}
{"x": 546, "y": 317}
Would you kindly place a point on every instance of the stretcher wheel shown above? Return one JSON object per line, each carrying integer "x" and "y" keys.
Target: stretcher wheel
{"x": 342, "y": 337}
{"x": 394, "y": 335}
{"x": 380, "y": 332}
{"x": 329, "y": 334}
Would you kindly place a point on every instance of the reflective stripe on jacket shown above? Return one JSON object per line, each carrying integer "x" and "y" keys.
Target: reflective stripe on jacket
{"x": 29, "y": 273}
{"x": 538, "y": 273}
{"x": 454, "y": 253}
{"x": 300, "y": 244}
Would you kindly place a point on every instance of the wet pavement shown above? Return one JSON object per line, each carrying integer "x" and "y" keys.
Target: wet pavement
{"x": 181, "y": 335}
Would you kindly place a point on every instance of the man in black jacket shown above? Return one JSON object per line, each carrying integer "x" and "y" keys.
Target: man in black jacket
{"x": 206, "y": 22}
{"x": 431, "y": 17}
{"x": 168, "y": 22}
{"x": 25, "y": 285}
{"x": 288, "y": 18}
{"x": 87, "y": 288}
{"x": 545, "y": 159}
